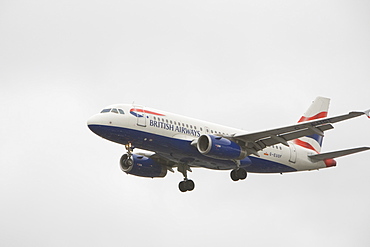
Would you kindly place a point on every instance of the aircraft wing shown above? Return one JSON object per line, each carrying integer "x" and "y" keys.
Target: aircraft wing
{"x": 259, "y": 140}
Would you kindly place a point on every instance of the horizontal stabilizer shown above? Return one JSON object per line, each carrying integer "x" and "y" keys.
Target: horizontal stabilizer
{"x": 335, "y": 154}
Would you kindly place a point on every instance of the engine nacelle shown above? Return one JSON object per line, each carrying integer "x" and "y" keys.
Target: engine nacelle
{"x": 142, "y": 166}
{"x": 220, "y": 148}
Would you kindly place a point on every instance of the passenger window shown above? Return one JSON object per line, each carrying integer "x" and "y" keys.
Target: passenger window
{"x": 114, "y": 110}
{"x": 187, "y": 126}
{"x": 121, "y": 111}
{"x": 106, "y": 110}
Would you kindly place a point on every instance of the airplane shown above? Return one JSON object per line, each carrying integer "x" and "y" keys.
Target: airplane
{"x": 164, "y": 141}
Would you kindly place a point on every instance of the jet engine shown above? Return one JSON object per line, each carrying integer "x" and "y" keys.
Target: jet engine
{"x": 142, "y": 166}
{"x": 220, "y": 148}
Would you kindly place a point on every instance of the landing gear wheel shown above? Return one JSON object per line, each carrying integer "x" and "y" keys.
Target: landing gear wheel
{"x": 182, "y": 186}
{"x": 238, "y": 174}
{"x": 189, "y": 185}
{"x": 241, "y": 173}
{"x": 234, "y": 175}
{"x": 186, "y": 185}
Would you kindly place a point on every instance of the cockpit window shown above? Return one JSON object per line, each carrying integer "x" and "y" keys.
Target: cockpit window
{"x": 105, "y": 110}
{"x": 114, "y": 110}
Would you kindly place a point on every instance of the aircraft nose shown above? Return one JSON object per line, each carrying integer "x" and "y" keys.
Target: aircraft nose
{"x": 94, "y": 120}
{"x": 96, "y": 124}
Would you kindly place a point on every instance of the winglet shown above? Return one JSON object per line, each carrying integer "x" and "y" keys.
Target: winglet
{"x": 367, "y": 113}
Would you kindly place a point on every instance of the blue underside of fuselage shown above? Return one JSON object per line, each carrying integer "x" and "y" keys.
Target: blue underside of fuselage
{"x": 180, "y": 150}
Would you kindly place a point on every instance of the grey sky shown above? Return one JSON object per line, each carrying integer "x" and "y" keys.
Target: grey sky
{"x": 247, "y": 64}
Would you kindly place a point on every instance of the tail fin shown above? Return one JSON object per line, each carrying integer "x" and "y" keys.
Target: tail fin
{"x": 318, "y": 109}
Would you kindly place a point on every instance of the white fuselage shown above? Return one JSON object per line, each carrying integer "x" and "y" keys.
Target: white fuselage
{"x": 171, "y": 135}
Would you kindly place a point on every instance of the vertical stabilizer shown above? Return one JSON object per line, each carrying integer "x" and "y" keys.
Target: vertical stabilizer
{"x": 318, "y": 109}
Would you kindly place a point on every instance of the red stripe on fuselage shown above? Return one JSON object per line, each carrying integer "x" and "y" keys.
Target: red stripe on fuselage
{"x": 145, "y": 111}
{"x": 317, "y": 116}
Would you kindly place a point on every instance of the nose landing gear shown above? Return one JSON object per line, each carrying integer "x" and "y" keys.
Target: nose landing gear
{"x": 129, "y": 149}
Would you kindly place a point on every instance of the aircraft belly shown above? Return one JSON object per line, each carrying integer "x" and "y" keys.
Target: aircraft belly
{"x": 260, "y": 165}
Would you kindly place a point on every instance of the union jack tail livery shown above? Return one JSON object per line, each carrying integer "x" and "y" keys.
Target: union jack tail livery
{"x": 318, "y": 109}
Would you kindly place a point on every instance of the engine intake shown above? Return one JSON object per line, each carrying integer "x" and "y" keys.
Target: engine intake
{"x": 142, "y": 166}
{"x": 220, "y": 148}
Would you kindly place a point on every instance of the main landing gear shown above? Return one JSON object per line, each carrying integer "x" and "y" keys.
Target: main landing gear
{"x": 238, "y": 174}
{"x": 187, "y": 184}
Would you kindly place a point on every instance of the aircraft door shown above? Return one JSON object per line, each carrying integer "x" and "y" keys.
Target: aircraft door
{"x": 141, "y": 116}
{"x": 293, "y": 153}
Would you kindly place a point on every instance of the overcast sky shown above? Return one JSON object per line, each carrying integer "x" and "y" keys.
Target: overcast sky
{"x": 253, "y": 65}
